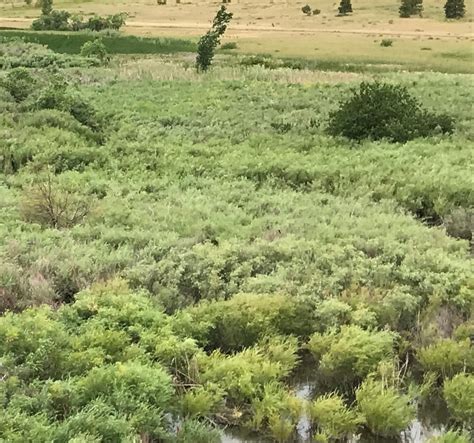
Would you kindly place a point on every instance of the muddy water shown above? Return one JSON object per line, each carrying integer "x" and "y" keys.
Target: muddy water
{"x": 418, "y": 432}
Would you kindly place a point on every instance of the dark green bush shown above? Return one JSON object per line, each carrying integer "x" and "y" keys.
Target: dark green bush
{"x": 382, "y": 111}
{"x": 386, "y": 42}
{"x": 54, "y": 21}
{"x": 208, "y": 42}
{"x": 455, "y": 9}
{"x": 19, "y": 83}
{"x": 95, "y": 48}
{"x": 411, "y": 7}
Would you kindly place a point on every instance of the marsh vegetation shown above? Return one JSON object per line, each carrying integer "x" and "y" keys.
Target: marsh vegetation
{"x": 178, "y": 247}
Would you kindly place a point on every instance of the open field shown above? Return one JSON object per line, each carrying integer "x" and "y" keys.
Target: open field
{"x": 281, "y": 29}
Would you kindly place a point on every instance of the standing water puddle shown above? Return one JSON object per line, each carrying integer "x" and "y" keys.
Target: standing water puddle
{"x": 416, "y": 433}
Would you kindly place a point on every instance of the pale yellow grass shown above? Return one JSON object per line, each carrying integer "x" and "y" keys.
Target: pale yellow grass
{"x": 280, "y": 28}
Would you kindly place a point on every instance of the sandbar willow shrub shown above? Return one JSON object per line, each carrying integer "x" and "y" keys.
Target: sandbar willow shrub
{"x": 459, "y": 395}
{"x": 333, "y": 418}
{"x": 208, "y": 42}
{"x": 452, "y": 436}
{"x": 19, "y": 83}
{"x": 101, "y": 367}
{"x": 95, "y": 49}
{"x": 16, "y": 53}
{"x": 386, "y": 412}
{"x": 348, "y": 356}
{"x": 383, "y": 111}
{"x": 447, "y": 357}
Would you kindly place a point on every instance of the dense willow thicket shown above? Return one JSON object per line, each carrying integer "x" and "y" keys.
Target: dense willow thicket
{"x": 175, "y": 252}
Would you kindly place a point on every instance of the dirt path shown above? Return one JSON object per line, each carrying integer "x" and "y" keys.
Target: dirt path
{"x": 246, "y": 29}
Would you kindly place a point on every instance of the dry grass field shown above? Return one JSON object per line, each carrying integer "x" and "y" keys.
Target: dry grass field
{"x": 280, "y": 28}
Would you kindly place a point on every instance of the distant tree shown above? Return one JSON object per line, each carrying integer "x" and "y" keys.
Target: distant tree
{"x": 306, "y": 9}
{"x": 208, "y": 42}
{"x": 46, "y": 7}
{"x": 454, "y": 9}
{"x": 345, "y": 7}
{"x": 95, "y": 48}
{"x": 411, "y": 7}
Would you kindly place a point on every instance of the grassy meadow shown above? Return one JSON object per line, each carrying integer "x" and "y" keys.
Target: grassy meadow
{"x": 181, "y": 251}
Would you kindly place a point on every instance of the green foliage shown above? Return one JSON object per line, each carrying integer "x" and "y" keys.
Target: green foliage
{"x": 333, "y": 418}
{"x": 306, "y": 9}
{"x": 346, "y": 357}
{"x": 193, "y": 431}
{"x": 451, "y": 437}
{"x": 46, "y": 7}
{"x": 386, "y": 42}
{"x": 71, "y": 43}
{"x": 202, "y": 401}
{"x": 345, "y": 7}
{"x": 242, "y": 230}
{"x": 246, "y": 319}
{"x": 386, "y": 412}
{"x": 447, "y": 357}
{"x": 454, "y": 9}
{"x": 459, "y": 395}
{"x": 55, "y": 20}
{"x": 411, "y": 7}
{"x": 19, "y": 83}
{"x": 208, "y": 42}
{"x": 276, "y": 410}
{"x": 48, "y": 205}
{"x": 16, "y": 53}
{"x": 95, "y": 48}
{"x": 379, "y": 110}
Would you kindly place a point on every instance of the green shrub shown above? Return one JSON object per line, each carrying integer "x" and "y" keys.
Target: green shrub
{"x": 17, "y": 53}
{"x": 276, "y": 409}
{"x": 452, "y": 437}
{"x": 379, "y": 110}
{"x": 345, "y": 7}
{"x": 348, "y": 356}
{"x": 245, "y": 319}
{"x": 446, "y": 357}
{"x": 202, "y": 401}
{"x": 54, "y": 21}
{"x": 306, "y": 9}
{"x": 19, "y": 83}
{"x": 386, "y": 42}
{"x": 208, "y": 42}
{"x": 454, "y": 9}
{"x": 411, "y": 7}
{"x": 333, "y": 418}
{"x": 193, "y": 431}
{"x": 459, "y": 395}
{"x": 95, "y": 48}
{"x": 386, "y": 412}
{"x": 459, "y": 223}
